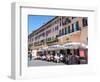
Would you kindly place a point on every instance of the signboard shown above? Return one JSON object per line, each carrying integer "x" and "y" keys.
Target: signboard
{"x": 82, "y": 54}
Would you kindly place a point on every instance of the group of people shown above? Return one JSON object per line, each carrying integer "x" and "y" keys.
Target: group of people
{"x": 59, "y": 57}
{"x": 55, "y": 58}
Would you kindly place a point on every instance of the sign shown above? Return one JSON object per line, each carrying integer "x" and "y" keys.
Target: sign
{"x": 82, "y": 54}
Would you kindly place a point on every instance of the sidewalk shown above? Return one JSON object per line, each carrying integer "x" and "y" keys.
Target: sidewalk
{"x": 42, "y": 63}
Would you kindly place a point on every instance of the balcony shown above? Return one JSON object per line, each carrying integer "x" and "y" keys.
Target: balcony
{"x": 69, "y": 32}
{"x": 67, "y": 21}
{"x": 52, "y": 40}
{"x": 30, "y": 45}
{"x": 39, "y": 43}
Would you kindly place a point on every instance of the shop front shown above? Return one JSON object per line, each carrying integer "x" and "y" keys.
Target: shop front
{"x": 76, "y": 50}
{"x": 79, "y": 50}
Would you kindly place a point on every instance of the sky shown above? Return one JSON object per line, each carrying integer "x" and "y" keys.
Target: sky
{"x": 36, "y": 21}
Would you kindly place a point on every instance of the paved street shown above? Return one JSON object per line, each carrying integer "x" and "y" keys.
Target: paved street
{"x": 42, "y": 63}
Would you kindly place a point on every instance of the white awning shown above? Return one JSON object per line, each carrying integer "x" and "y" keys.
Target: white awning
{"x": 41, "y": 49}
{"x": 71, "y": 45}
{"x": 75, "y": 45}
{"x": 56, "y": 47}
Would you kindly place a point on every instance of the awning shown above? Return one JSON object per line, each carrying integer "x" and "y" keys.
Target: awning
{"x": 56, "y": 47}
{"x": 43, "y": 49}
{"x": 72, "y": 45}
{"x": 75, "y": 45}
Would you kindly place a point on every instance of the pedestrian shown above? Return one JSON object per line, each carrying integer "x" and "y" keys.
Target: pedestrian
{"x": 61, "y": 57}
{"x": 68, "y": 59}
{"x": 78, "y": 59}
{"x": 51, "y": 57}
{"x": 73, "y": 59}
{"x": 56, "y": 58}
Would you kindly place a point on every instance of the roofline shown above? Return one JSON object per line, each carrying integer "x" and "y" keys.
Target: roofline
{"x": 42, "y": 26}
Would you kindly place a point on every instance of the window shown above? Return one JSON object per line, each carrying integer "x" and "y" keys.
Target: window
{"x": 43, "y": 34}
{"x": 77, "y": 26}
{"x": 60, "y": 24}
{"x": 60, "y": 32}
{"x": 73, "y": 17}
{"x": 68, "y": 20}
{"x": 72, "y": 27}
{"x": 63, "y": 32}
{"x": 47, "y": 32}
{"x": 68, "y": 29}
{"x": 36, "y": 37}
{"x": 64, "y": 21}
{"x": 85, "y": 22}
{"x": 53, "y": 29}
{"x": 56, "y": 28}
{"x": 32, "y": 39}
{"x": 48, "y": 39}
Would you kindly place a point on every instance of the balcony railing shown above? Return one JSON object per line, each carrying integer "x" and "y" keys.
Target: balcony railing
{"x": 52, "y": 40}
{"x": 39, "y": 43}
{"x": 30, "y": 44}
{"x": 71, "y": 31}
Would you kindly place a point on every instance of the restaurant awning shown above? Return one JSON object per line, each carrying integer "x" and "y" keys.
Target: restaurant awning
{"x": 75, "y": 45}
{"x": 56, "y": 47}
{"x": 72, "y": 45}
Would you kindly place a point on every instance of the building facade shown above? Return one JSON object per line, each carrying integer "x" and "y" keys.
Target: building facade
{"x": 60, "y": 30}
